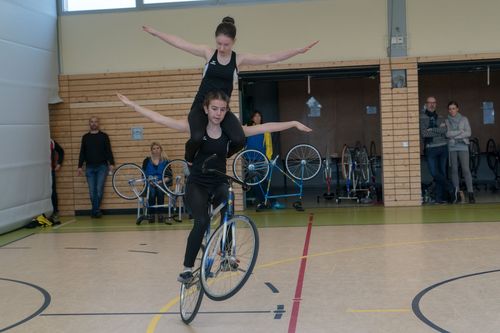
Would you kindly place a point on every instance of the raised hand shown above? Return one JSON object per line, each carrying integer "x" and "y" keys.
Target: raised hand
{"x": 301, "y": 127}
{"x": 308, "y": 47}
{"x": 149, "y": 30}
{"x": 125, "y": 100}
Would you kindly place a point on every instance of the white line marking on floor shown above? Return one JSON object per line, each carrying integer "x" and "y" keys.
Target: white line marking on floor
{"x": 65, "y": 223}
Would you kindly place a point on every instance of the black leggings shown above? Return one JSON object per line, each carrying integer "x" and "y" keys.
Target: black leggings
{"x": 198, "y": 121}
{"x": 197, "y": 199}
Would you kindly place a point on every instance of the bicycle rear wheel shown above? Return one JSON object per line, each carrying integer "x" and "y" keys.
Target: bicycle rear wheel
{"x": 228, "y": 261}
{"x": 346, "y": 162}
{"x": 474, "y": 155}
{"x": 251, "y": 167}
{"x": 303, "y": 162}
{"x": 129, "y": 181}
{"x": 192, "y": 293}
{"x": 491, "y": 157}
{"x": 175, "y": 176}
{"x": 363, "y": 164}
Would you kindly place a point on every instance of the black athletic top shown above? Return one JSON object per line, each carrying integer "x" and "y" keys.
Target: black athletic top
{"x": 209, "y": 147}
{"x": 95, "y": 150}
{"x": 217, "y": 77}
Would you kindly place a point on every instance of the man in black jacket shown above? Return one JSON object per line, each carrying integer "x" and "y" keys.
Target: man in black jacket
{"x": 56, "y": 158}
{"x": 96, "y": 153}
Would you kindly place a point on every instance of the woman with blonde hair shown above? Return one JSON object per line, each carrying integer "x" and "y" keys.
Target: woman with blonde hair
{"x": 153, "y": 166}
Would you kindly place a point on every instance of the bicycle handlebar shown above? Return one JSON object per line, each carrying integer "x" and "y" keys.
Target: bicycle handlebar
{"x": 204, "y": 169}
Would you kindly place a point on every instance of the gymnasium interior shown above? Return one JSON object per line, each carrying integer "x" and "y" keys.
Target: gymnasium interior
{"x": 357, "y": 243}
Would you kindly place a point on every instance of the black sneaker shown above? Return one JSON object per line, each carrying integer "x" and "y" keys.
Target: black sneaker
{"x": 260, "y": 207}
{"x": 472, "y": 200}
{"x": 185, "y": 277}
{"x": 151, "y": 218}
{"x": 54, "y": 218}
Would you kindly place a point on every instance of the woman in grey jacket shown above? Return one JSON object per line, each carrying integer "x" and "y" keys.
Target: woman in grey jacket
{"x": 458, "y": 134}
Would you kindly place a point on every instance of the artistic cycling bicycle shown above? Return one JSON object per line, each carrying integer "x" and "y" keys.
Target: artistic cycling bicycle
{"x": 225, "y": 260}
{"x": 130, "y": 182}
{"x": 302, "y": 162}
{"x": 355, "y": 165}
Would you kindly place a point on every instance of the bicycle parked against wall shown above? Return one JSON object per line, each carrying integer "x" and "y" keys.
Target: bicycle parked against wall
{"x": 227, "y": 260}
{"x": 130, "y": 182}
{"x": 355, "y": 166}
{"x": 302, "y": 162}
{"x": 493, "y": 160}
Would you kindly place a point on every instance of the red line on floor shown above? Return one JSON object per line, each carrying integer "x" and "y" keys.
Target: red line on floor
{"x": 292, "y": 326}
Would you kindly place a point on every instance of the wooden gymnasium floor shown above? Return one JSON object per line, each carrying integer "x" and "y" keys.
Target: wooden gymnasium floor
{"x": 353, "y": 269}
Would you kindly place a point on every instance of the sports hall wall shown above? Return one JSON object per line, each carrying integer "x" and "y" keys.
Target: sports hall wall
{"x": 105, "y": 53}
{"x": 28, "y": 80}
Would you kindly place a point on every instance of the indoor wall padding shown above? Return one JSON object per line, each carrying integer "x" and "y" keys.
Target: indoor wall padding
{"x": 28, "y": 34}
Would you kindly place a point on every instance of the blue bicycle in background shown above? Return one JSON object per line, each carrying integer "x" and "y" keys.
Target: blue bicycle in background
{"x": 302, "y": 162}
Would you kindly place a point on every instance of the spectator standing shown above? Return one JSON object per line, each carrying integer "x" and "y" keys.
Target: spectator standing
{"x": 433, "y": 133}
{"x": 458, "y": 134}
{"x": 95, "y": 152}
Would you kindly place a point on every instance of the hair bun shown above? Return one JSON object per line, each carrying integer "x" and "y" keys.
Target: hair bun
{"x": 228, "y": 19}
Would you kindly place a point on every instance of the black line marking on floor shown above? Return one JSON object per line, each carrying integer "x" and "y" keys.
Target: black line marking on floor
{"x": 46, "y": 302}
{"x": 81, "y": 248}
{"x": 15, "y": 248}
{"x": 150, "y": 313}
{"x": 280, "y": 309}
{"x": 415, "y": 304}
{"x": 152, "y": 252}
{"x": 143, "y": 244}
{"x": 272, "y": 287}
{"x": 15, "y": 240}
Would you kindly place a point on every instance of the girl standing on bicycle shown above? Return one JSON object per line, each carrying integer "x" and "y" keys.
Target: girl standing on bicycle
{"x": 200, "y": 186}
{"x": 153, "y": 166}
{"x": 221, "y": 67}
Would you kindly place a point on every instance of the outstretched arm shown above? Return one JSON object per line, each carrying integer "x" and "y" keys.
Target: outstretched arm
{"x": 198, "y": 50}
{"x": 274, "y": 127}
{"x": 180, "y": 125}
{"x": 253, "y": 59}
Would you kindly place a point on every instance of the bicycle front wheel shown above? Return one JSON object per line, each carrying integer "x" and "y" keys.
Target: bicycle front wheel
{"x": 192, "y": 293}
{"x": 175, "y": 176}
{"x": 251, "y": 167}
{"x": 474, "y": 155}
{"x": 491, "y": 154}
{"x": 303, "y": 162}
{"x": 129, "y": 181}
{"x": 229, "y": 258}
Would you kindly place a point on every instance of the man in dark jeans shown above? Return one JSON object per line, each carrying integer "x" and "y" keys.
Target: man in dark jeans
{"x": 96, "y": 153}
{"x": 433, "y": 133}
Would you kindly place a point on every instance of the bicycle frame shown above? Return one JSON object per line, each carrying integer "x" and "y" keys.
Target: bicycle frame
{"x": 273, "y": 164}
{"x": 143, "y": 202}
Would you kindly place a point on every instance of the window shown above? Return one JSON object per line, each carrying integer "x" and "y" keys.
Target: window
{"x": 89, "y": 6}
{"x": 82, "y": 5}
{"x": 146, "y": 2}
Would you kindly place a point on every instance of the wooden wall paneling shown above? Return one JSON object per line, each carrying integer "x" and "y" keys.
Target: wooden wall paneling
{"x": 168, "y": 92}
{"x": 60, "y": 131}
{"x": 400, "y": 135}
